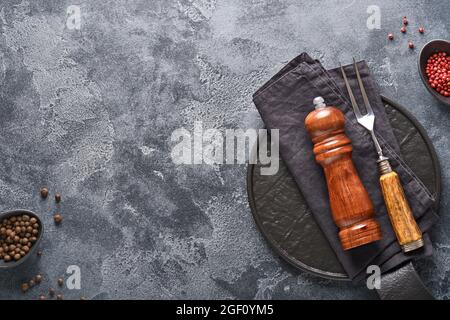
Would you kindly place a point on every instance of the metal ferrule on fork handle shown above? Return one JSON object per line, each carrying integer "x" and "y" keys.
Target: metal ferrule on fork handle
{"x": 384, "y": 166}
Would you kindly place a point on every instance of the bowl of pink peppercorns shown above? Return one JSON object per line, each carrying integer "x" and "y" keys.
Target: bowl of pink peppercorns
{"x": 434, "y": 69}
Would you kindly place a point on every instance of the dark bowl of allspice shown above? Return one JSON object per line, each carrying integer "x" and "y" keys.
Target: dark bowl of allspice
{"x": 20, "y": 234}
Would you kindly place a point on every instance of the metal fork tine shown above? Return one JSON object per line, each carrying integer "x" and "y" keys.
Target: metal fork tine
{"x": 350, "y": 93}
{"x": 363, "y": 90}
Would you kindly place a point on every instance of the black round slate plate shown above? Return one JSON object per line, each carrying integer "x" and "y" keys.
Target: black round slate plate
{"x": 283, "y": 217}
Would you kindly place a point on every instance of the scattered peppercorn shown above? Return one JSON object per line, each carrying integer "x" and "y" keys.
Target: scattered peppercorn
{"x": 38, "y": 278}
{"x": 403, "y": 30}
{"x": 405, "y": 21}
{"x": 391, "y": 36}
{"x": 59, "y": 297}
{"x": 438, "y": 73}
{"x": 44, "y": 192}
{"x": 60, "y": 282}
{"x": 57, "y": 197}
{"x": 411, "y": 45}
{"x": 39, "y": 253}
{"x": 31, "y": 283}
{"x": 57, "y": 218}
{"x": 421, "y": 30}
{"x": 42, "y": 297}
{"x": 24, "y": 287}
{"x": 51, "y": 292}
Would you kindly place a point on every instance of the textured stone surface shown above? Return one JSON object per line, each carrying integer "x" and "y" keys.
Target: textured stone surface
{"x": 90, "y": 113}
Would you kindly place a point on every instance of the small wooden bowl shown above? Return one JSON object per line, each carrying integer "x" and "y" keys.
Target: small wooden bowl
{"x": 12, "y": 264}
{"x": 430, "y": 48}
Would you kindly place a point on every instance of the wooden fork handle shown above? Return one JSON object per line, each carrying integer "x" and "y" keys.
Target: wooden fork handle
{"x": 406, "y": 229}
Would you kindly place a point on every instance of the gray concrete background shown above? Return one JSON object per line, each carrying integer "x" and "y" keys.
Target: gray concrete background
{"x": 90, "y": 113}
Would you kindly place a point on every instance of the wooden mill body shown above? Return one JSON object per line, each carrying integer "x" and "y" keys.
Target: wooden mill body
{"x": 351, "y": 206}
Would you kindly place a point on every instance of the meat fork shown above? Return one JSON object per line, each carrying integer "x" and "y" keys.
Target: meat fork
{"x": 406, "y": 229}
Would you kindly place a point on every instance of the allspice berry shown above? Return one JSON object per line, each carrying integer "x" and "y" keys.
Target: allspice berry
{"x": 57, "y": 197}
{"x": 24, "y": 287}
{"x": 57, "y": 218}
{"x": 38, "y": 278}
{"x": 60, "y": 282}
{"x": 44, "y": 192}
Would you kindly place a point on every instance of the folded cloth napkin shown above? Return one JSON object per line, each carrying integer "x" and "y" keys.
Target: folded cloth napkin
{"x": 285, "y": 101}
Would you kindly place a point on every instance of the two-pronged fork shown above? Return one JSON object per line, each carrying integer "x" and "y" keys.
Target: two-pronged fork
{"x": 408, "y": 233}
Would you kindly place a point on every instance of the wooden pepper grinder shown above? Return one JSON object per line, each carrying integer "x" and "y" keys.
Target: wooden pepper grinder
{"x": 350, "y": 203}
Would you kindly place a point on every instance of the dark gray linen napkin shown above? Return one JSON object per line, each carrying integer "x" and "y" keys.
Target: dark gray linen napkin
{"x": 285, "y": 101}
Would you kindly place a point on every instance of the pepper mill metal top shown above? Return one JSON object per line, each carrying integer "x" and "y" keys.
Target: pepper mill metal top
{"x": 319, "y": 102}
